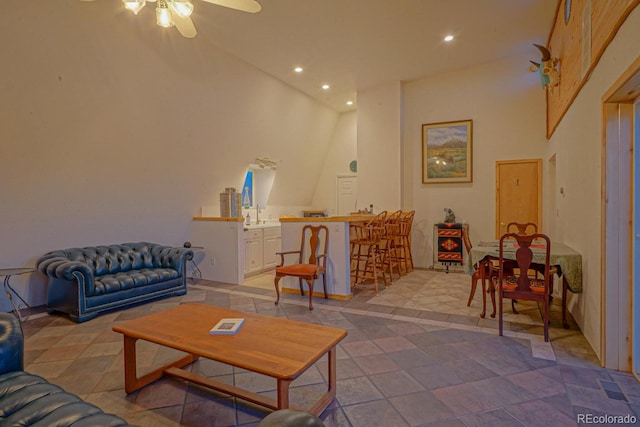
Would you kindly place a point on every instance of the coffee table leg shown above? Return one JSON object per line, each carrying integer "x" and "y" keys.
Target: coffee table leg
{"x": 130, "y": 371}
{"x": 283, "y": 393}
{"x": 328, "y": 397}
{"x": 131, "y": 380}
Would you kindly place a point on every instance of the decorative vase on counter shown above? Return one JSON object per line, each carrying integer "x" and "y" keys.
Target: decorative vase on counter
{"x": 230, "y": 203}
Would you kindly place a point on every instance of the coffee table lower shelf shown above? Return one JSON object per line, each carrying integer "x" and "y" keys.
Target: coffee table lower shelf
{"x": 133, "y": 383}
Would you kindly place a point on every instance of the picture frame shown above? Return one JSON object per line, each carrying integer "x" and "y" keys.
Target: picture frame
{"x": 447, "y": 152}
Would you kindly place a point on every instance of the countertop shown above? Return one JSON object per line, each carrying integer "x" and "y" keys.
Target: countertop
{"x": 263, "y": 225}
{"x": 271, "y": 223}
{"x": 350, "y": 218}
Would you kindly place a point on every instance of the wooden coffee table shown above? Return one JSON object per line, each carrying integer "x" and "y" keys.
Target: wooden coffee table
{"x": 279, "y": 348}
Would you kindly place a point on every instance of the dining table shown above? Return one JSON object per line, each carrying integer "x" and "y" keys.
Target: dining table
{"x": 567, "y": 263}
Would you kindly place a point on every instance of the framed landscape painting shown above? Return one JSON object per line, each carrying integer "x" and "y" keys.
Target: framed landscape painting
{"x": 446, "y": 152}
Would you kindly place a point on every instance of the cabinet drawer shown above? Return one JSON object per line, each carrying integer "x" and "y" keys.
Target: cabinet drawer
{"x": 272, "y": 231}
{"x": 252, "y": 234}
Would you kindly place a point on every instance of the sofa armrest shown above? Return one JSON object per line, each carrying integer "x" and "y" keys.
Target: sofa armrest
{"x": 56, "y": 265}
{"x": 177, "y": 258}
{"x": 11, "y": 343}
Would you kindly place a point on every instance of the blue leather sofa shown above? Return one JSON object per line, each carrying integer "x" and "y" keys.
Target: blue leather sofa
{"x": 87, "y": 282}
{"x": 27, "y": 399}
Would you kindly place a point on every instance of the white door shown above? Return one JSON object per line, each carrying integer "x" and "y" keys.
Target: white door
{"x": 347, "y": 193}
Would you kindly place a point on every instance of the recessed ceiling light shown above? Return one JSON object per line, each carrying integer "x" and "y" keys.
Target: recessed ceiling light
{"x": 349, "y": 102}
{"x": 325, "y": 87}
{"x": 298, "y": 69}
{"x": 448, "y": 38}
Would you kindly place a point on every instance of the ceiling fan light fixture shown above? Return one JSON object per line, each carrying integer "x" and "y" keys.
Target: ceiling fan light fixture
{"x": 133, "y": 5}
{"x": 170, "y": 13}
{"x": 163, "y": 15}
{"x": 182, "y": 8}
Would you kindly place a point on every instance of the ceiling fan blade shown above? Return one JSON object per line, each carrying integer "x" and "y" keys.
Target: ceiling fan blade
{"x": 251, "y": 6}
{"x": 184, "y": 25}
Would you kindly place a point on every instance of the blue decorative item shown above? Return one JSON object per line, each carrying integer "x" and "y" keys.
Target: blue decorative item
{"x": 567, "y": 11}
{"x": 246, "y": 200}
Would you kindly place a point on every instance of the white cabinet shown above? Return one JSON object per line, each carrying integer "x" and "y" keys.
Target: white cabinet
{"x": 253, "y": 248}
{"x": 272, "y": 240}
{"x": 260, "y": 248}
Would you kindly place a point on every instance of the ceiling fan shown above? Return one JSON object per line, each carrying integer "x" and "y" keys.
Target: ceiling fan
{"x": 178, "y": 12}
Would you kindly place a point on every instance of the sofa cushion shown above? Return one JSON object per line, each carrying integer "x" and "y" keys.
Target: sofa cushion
{"x": 113, "y": 258}
{"x": 27, "y": 399}
{"x": 130, "y": 279}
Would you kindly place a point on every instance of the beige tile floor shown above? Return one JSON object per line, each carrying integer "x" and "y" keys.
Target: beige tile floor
{"x": 406, "y": 361}
{"x": 435, "y": 291}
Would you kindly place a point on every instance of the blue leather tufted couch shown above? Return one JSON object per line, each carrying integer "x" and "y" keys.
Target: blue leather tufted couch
{"x": 87, "y": 282}
{"x": 27, "y": 399}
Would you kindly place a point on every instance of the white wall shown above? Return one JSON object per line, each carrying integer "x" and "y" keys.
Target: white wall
{"x": 109, "y": 134}
{"x": 506, "y": 104}
{"x": 577, "y": 143}
{"x": 379, "y": 142}
{"x": 342, "y": 150}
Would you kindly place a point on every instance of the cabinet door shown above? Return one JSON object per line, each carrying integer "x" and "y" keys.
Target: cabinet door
{"x": 272, "y": 245}
{"x": 253, "y": 255}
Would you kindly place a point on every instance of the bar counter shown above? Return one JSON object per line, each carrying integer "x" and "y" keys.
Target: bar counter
{"x": 338, "y": 264}
{"x": 223, "y": 257}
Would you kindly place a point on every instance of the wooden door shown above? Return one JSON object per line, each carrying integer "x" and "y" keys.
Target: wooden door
{"x": 518, "y": 193}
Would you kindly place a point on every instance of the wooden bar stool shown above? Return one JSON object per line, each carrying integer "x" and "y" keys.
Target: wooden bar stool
{"x": 366, "y": 256}
{"x": 403, "y": 245}
{"x": 389, "y": 244}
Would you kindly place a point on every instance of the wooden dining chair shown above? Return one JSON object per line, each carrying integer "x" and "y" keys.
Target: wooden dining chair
{"x": 516, "y": 283}
{"x": 314, "y": 243}
{"x": 522, "y": 228}
{"x": 476, "y": 268}
{"x": 527, "y": 228}
{"x": 477, "y": 272}
{"x": 482, "y": 270}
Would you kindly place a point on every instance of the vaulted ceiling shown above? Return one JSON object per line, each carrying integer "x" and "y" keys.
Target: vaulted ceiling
{"x": 356, "y": 44}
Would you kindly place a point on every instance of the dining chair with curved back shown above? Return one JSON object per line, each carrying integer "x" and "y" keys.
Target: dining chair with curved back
{"x": 366, "y": 257}
{"x": 522, "y": 228}
{"x": 482, "y": 270}
{"x": 477, "y": 270}
{"x": 314, "y": 243}
{"x": 517, "y": 283}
